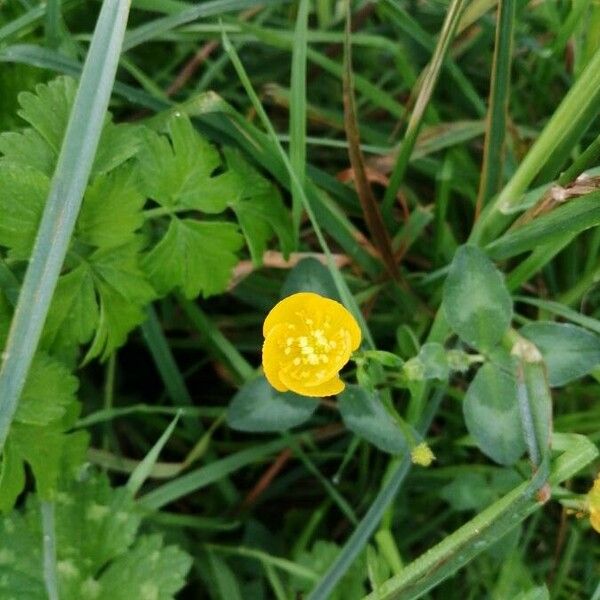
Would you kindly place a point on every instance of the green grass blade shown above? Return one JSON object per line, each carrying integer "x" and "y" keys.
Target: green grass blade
{"x": 298, "y": 110}
{"x": 430, "y": 80}
{"x": 143, "y": 470}
{"x": 578, "y": 108}
{"x": 163, "y": 358}
{"x": 204, "y": 476}
{"x": 148, "y": 31}
{"x": 494, "y": 147}
{"x": 45, "y": 58}
{"x": 53, "y": 23}
{"x": 49, "y": 549}
{"x": 222, "y": 347}
{"x": 575, "y": 216}
{"x": 66, "y": 192}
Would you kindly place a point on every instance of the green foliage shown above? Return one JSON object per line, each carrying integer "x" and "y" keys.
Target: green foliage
{"x": 196, "y": 173}
{"x": 492, "y": 415}
{"x": 320, "y": 556}
{"x": 309, "y": 275}
{"x": 257, "y": 406}
{"x": 364, "y": 414}
{"x": 99, "y": 554}
{"x": 569, "y": 351}
{"x": 476, "y": 302}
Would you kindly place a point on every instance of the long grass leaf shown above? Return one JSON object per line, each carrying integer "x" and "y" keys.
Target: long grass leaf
{"x": 64, "y": 199}
{"x": 379, "y": 233}
{"x": 430, "y": 80}
{"x": 298, "y": 110}
{"x": 494, "y": 147}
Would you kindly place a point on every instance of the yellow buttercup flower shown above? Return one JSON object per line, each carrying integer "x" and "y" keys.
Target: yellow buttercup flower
{"x": 593, "y": 500}
{"x": 308, "y": 339}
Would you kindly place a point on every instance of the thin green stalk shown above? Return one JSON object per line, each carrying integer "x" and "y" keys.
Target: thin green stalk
{"x": 49, "y": 549}
{"x": 53, "y": 23}
{"x": 240, "y": 367}
{"x": 331, "y": 490}
{"x": 535, "y": 401}
{"x": 61, "y": 209}
{"x": 430, "y": 79}
{"x": 298, "y": 110}
{"x": 494, "y": 146}
{"x": 109, "y": 395}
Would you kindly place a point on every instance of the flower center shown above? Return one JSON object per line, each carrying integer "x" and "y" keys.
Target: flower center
{"x": 312, "y": 350}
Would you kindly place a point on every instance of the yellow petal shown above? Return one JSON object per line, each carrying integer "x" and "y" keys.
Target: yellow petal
{"x": 271, "y": 356}
{"x": 328, "y": 388}
{"x": 284, "y": 310}
{"x": 595, "y": 520}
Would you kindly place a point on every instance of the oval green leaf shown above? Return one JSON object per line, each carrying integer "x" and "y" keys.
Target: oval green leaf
{"x": 492, "y": 416}
{"x": 363, "y": 414}
{"x": 258, "y": 407}
{"x": 476, "y": 302}
{"x": 569, "y": 351}
{"x": 309, "y": 275}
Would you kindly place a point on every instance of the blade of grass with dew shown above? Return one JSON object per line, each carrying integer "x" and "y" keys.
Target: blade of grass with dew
{"x": 341, "y": 286}
{"x": 61, "y": 209}
{"x": 144, "y": 468}
{"x": 577, "y": 109}
{"x": 333, "y": 493}
{"x": 379, "y": 234}
{"x": 460, "y": 547}
{"x": 494, "y": 146}
{"x": 425, "y": 93}
{"x": 49, "y": 549}
{"x": 298, "y": 111}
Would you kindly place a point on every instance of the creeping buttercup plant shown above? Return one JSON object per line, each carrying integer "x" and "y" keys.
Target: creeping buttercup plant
{"x": 299, "y": 303}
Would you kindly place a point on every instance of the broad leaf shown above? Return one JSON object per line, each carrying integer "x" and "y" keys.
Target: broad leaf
{"x": 259, "y": 407}
{"x": 569, "y": 351}
{"x": 111, "y": 210}
{"x": 177, "y": 171}
{"x": 98, "y": 556}
{"x": 194, "y": 256}
{"x": 50, "y": 388}
{"x": 259, "y": 208}
{"x": 23, "y": 193}
{"x": 363, "y": 413}
{"x": 492, "y": 414}
{"x": 476, "y": 301}
{"x": 309, "y": 275}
